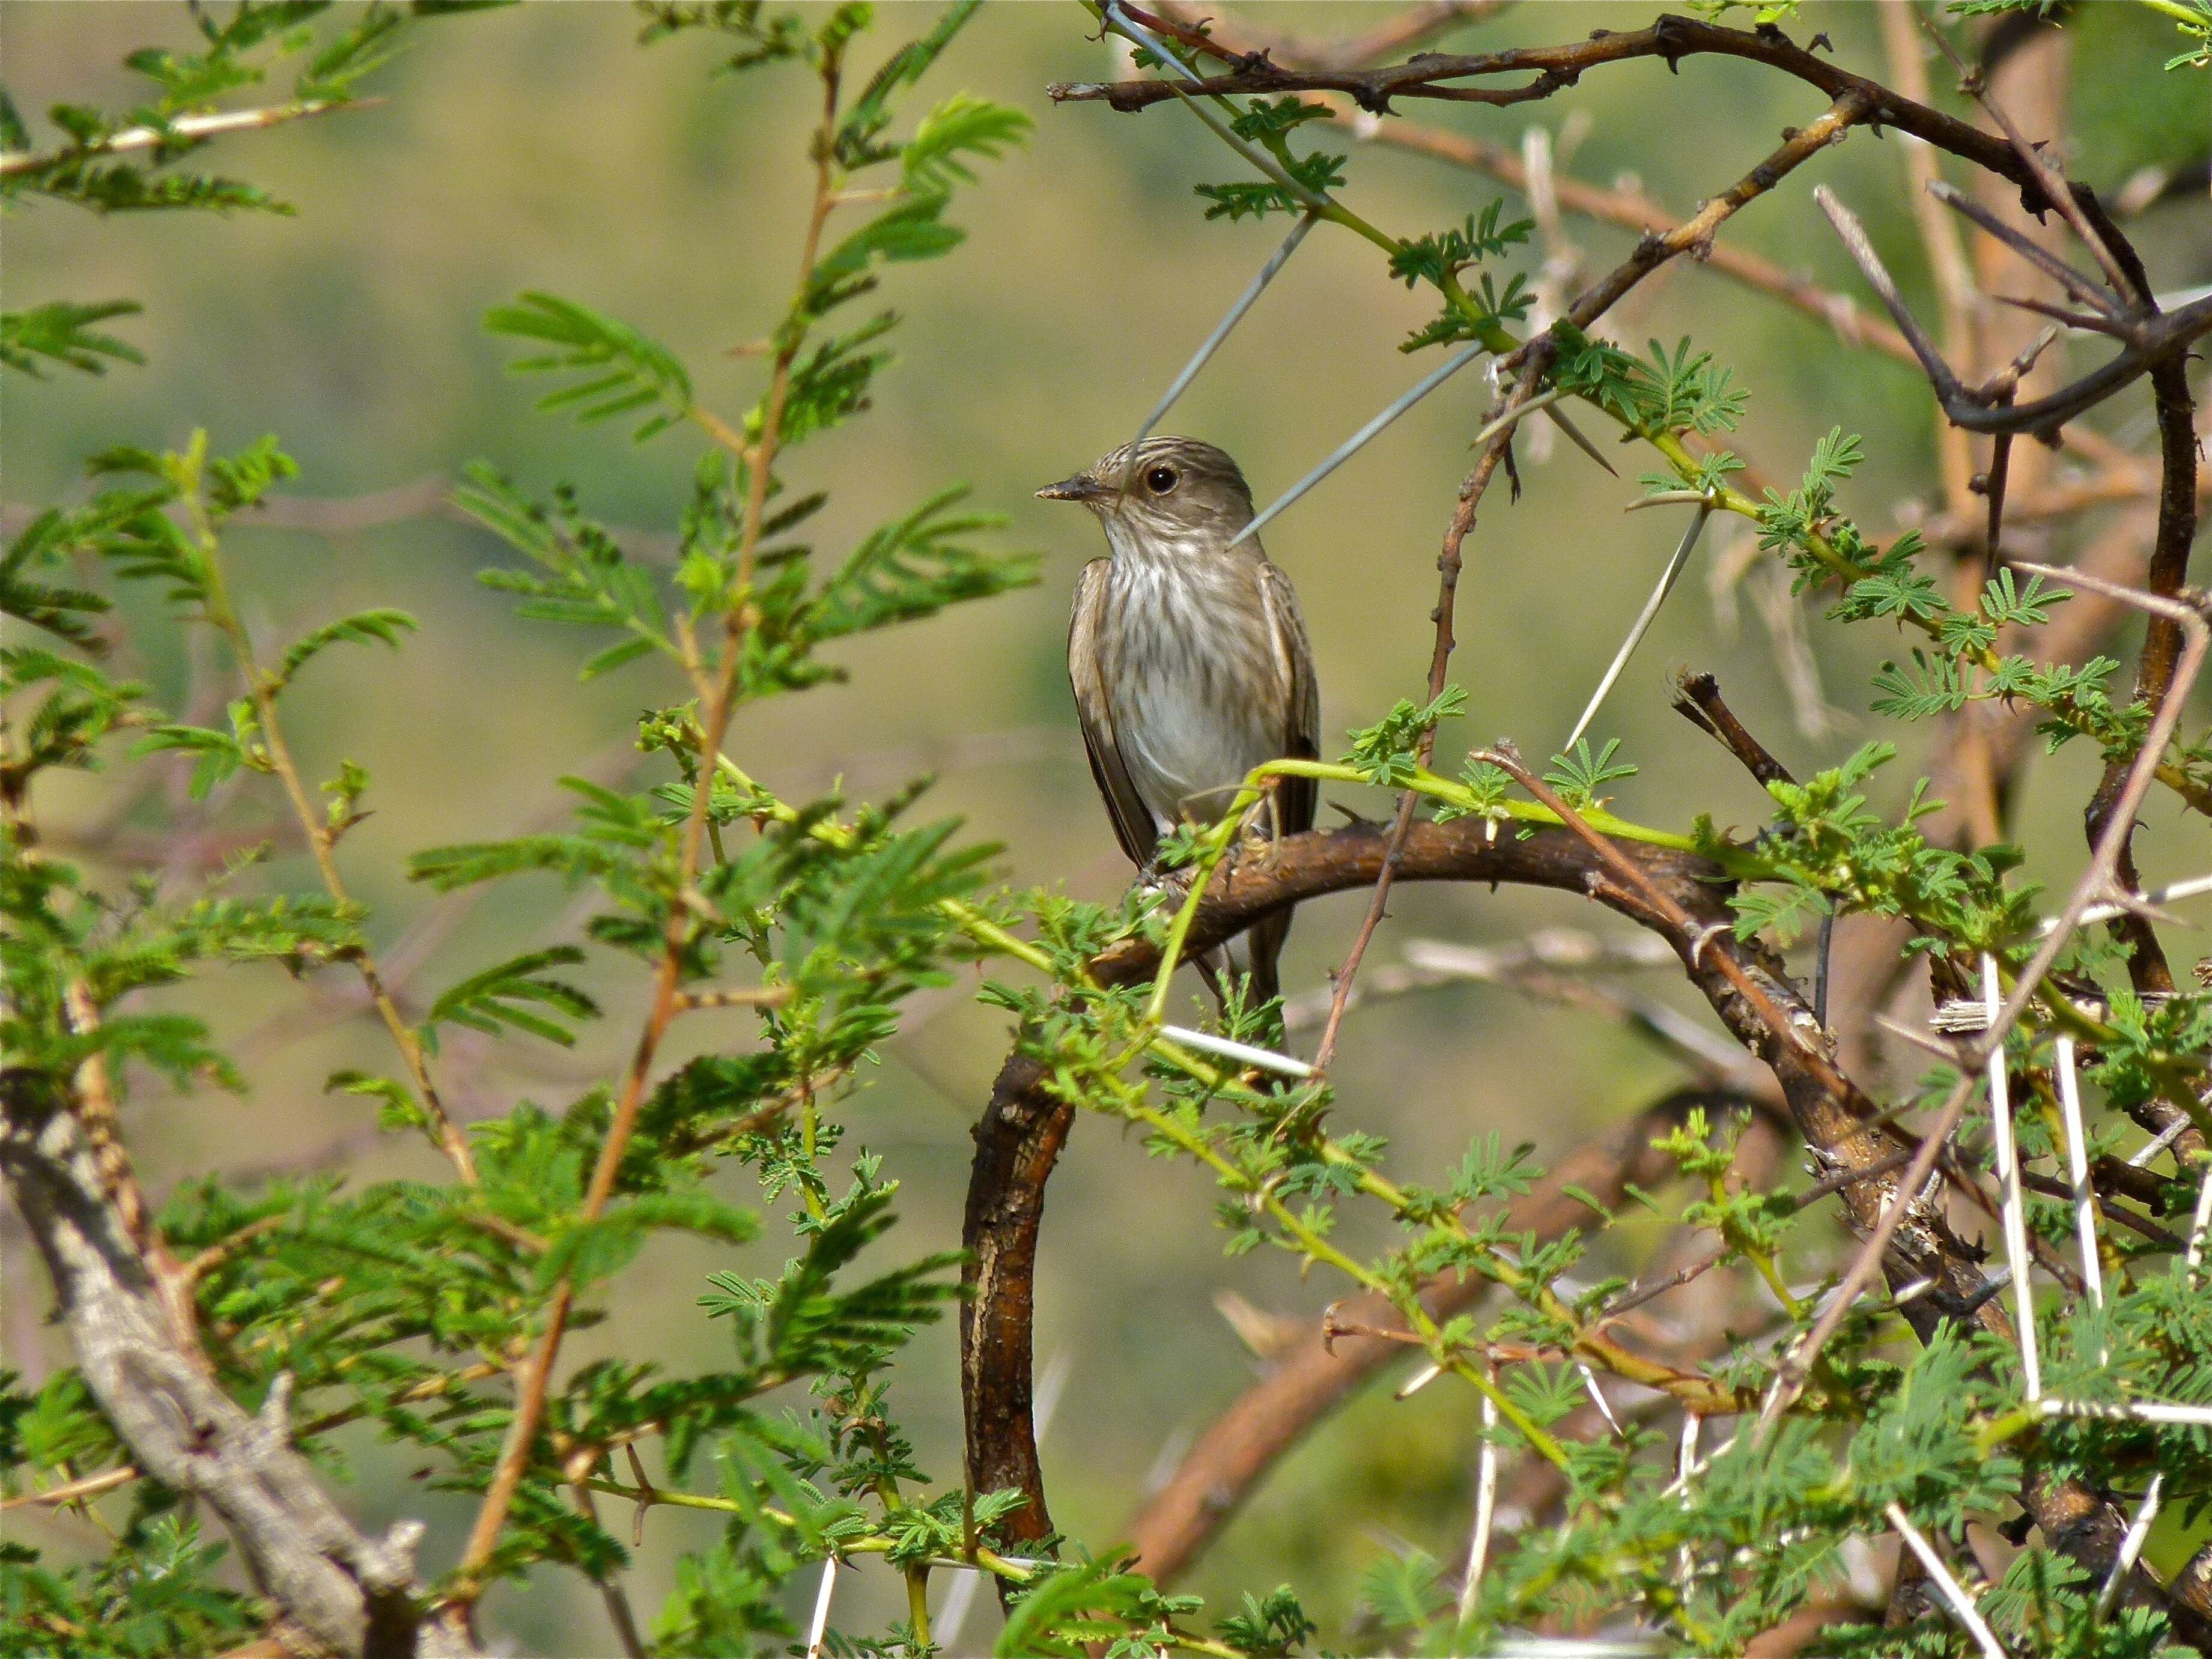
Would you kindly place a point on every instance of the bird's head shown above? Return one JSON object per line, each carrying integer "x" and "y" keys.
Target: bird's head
{"x": 1170, "y": 492}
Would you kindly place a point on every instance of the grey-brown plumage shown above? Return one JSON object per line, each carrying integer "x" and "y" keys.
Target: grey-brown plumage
{"x": 1188, "y": 656}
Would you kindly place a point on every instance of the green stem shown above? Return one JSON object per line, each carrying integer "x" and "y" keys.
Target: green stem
{"x": 1313, "y": 1245}
{"x": 1584, "y": 1342}
{"x": 1219, "y": 840}
{"x": 877, "y": 1543}
{"x": 2192, "y": 22}
{"x": 917, "y": 1605}
{"x": 1741, "y": 865}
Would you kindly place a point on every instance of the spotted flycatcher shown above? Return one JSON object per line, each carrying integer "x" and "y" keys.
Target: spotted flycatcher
{"x": 1189, "y": 658}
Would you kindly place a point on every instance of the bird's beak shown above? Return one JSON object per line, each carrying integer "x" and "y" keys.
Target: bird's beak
{"x": 1080, "y": 488}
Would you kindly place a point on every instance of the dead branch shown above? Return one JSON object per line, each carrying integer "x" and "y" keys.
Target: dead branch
{"x": 2150, "y": 338}
{"x": 1671, "y": 39}
{"x": 1697, "y": 699}
{"x": 352, "y": 1595}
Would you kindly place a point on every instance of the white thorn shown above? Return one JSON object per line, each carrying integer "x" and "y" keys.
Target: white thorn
{"x": 1345, "y": 450}
{"x": 2195, "y": 887}
{"x": 1558, "y": 417}
{"x": 1686, "y": 1459}
{"x": 1419, "y": 1380}
{"x": 1541, "y": 400}
{"x": 1954, "y": 1591}
{"x": 2194, "y": 1257}
{"x": 1486, "y": 1506}
{"x": 1597, "y": 1399}
{"x": 2014, "y": 1206}
{"x": 1221, "y": 331}
{"x": 820, "y": 1626}
{"x": 1667, "y": 580}
{"x": 2077, "y": 1163}
{"x": 2131, "y": 1547}
{"x": 1265, "y": 1058}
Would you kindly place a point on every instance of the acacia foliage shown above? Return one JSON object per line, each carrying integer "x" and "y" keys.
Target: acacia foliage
{"x": 408, "y": 1303}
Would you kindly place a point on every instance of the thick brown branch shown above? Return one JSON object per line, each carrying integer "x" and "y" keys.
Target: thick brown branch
{"x": 1024, "y": 1127}
{"x": 1017, "y": 1143}
{"x": 1671, "y": 39}
{"x": 1677, "y": 895}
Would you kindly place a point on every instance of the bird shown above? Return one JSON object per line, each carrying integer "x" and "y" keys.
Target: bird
{"x": 1189, "y": 662}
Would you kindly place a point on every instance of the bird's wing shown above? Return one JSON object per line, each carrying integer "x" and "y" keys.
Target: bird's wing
{"x": 1133, "y": 823}
{"x": 1295, "y": 798}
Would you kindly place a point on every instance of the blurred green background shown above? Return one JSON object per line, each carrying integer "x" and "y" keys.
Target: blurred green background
{"x": 540, "y": 149}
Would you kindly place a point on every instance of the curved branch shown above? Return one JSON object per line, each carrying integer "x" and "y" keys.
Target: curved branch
{"x": 1017, "y": 1143}
{"x": 2150, "y": 339}
{"x": 1679, "y": 895}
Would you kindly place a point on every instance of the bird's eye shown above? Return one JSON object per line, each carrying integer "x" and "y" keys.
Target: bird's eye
{"x": 1160, "y": 480}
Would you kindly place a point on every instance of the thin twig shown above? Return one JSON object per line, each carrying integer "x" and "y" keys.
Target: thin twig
{"x": 2054, "y": 185}
{"x": 1697, "y": 699}
{"x": 1696, "y": 233}
{"x": 2026, "y": 246}
{"x": 1447, "y": 568}
{"x": 322, "y": 842}
{"x": 184, "y": 131}
{"x": 535, "y": 1375}
{"x": 2151, "y": 342}
{"x": 2074, "y": 319}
